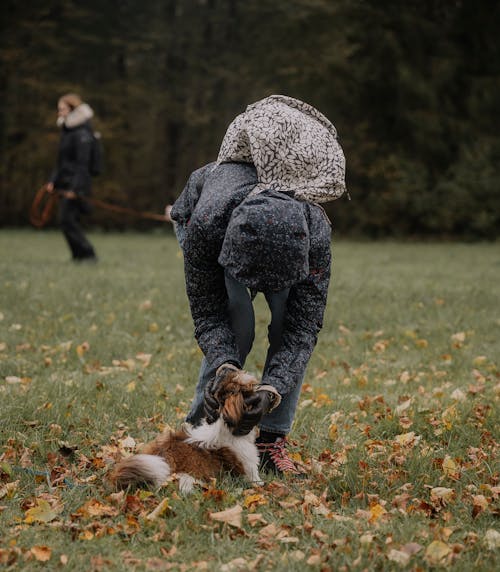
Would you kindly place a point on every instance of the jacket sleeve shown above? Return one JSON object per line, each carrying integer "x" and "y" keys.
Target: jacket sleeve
{"x": 206, "y": 290}
{"x": 184, "y": 206}
{"x": 304, "y": 315}
{"x": 83, "y": 149}
{"x": 223, "y": 189}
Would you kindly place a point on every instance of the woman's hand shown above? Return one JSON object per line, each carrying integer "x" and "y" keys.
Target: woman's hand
{"x": 71, "y": 195}
{"x": 168, "y": 208}
{"x": 256, "y": 406}
{"x": 50, "y": 187}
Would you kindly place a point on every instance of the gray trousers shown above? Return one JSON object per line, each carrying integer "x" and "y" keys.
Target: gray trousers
{"x": 242, "y": 321}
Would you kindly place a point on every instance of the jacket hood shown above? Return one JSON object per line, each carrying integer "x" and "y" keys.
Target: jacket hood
{"x": 293, "y": 146}
{"x": 266, "y": 245}
{"x": 76, "y": 117}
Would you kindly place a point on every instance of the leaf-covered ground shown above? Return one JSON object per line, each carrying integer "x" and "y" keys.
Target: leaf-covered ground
{"x": 398, "y": 422}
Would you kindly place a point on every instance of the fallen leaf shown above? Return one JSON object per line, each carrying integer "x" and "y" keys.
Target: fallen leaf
{"x": 376, "y": 512}
{"x": 145, "y": 359}
{"x": 159, "y": 511}
{"x": 236, "y": 564}
{"x": 86, "y": 535}
{"x": 480, "y": 504}
{"x": 399, "y": 557}
{"x": 332, "y": 432}
{"x": 407, "y": 439}
{"x": 450, "y": 468}
{"x": 402, "y": 407}
{"x": 442, "y": 494}
{"x": 492, "y": 539}
{"x": 437, "y": 551}
{"x": 82, "y": 349}
{"x": 41, "y": 553}
{"x": 127, "y": 443}
{"x": 411, "y": 548}
{"x": 255, "y": 518}
{"x": 231, "y": 516}
{"x": 94, "y": 508}
{"x": 8, "y": 489}
{"x": 41, "y": 512}
{"x": 366, "y": 538}
{"x": 254, "y": 500}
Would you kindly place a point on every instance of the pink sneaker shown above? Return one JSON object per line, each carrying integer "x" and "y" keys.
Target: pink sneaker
{"x": 274, "y": 459}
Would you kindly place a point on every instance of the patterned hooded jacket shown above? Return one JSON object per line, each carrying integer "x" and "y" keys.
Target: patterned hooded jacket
{"x": 293, "y": 146}
{"x": 202, "y": 213}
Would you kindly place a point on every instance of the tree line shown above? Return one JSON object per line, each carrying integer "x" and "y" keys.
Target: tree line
{"x": 412, "y": 87}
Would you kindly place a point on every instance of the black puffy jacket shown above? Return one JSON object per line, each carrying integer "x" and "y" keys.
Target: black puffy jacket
{"x": 73, "y": 161}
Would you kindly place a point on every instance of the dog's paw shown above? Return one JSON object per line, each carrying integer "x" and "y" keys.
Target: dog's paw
{"x": 186, "y": 483}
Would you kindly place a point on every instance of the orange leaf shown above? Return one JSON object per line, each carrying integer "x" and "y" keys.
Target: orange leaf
{"x": 41, "y": 553}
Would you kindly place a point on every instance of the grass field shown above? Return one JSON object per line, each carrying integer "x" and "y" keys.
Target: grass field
{"x": 398, "y": 421}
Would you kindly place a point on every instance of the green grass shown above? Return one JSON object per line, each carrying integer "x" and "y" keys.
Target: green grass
{"x": 409, "y": 325}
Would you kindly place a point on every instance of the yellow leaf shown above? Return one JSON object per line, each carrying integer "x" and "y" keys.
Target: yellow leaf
{"x": 450, "y": 468}
{"x": 254, "y": 500}
{"x": 86, "y": 535}
{"x": 437, "y": 551}
{"x": 159, "y": 511}
{"x": 332, "y": 432}
{"x": 131, "y": 387}
{"x": 407, "y": 439}
{"x": 231, "y": 516}
{"x": 42, "y": 512}
{"x": 82, "y": 349}
{"x": 153, "y": 327}
{"x": 41, "y": 553}
{"x": 448, "y": 416}
{"x": 376, "y": 511}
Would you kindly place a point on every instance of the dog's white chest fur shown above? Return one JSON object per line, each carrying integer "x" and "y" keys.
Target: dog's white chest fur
{"x": 218, "y": 435}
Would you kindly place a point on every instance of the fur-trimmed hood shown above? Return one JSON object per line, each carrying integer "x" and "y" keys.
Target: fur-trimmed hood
{"x": 76, "y": 117}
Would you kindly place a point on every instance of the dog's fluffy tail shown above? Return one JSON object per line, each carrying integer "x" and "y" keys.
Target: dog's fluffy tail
{"x": 148, "y": 469}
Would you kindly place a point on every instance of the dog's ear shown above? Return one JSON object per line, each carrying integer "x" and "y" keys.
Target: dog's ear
{"x": 232, "y": 410}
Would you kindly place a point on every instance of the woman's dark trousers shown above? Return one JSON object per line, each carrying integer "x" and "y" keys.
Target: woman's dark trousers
{"x": 69, "y": 214}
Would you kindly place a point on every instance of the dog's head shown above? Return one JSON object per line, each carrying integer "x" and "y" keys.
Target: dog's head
{"x": 231, "y": 393}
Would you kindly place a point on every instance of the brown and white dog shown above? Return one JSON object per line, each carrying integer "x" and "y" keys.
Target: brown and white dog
{"x": 199, "y": 453}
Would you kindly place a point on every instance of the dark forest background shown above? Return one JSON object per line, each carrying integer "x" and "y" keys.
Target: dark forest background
{"x": 413, "y": 88}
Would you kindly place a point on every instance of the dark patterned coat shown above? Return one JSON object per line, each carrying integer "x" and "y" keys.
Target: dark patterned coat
{"x": 202, "y": 212}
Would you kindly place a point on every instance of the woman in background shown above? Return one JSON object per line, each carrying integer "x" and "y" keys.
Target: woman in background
{"x": 72, "y": 177}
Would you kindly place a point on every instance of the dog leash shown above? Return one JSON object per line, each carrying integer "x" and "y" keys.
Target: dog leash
{"x": 44, "y": 202}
